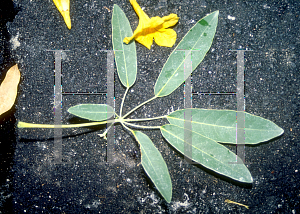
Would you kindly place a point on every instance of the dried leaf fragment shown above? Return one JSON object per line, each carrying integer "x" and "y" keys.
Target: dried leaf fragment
{"x": 9, "y": 89}
{"x": 64, "y": 8}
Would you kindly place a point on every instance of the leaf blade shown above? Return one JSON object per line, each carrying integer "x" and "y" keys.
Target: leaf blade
{"x": 173, "y": 73}
{"x": 207, "y": 152}
{"x": 220, "y": 125}
{"x": 154, "y": 165}
{"x": 125, "y": 55}
{"x": 94, "y": 112}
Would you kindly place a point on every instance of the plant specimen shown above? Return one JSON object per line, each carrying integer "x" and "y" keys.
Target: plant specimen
{"x": 202, "y": 129}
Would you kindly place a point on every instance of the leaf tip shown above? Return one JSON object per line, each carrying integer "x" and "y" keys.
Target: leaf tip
{"x": 281, "y": 131}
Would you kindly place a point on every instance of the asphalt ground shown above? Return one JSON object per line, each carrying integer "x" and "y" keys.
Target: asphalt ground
{"x": 86, "y": 182}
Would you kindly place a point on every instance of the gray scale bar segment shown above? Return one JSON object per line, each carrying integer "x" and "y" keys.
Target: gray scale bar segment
{"x": 240, "y": 116}
{"x": 57, "y": 109}
{"x": 110, "y": 102}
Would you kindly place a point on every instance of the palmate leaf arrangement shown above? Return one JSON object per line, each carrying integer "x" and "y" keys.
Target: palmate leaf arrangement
{"x": 209, "y": 127}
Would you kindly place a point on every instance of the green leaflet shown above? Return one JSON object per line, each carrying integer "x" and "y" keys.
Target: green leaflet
{"x": 193, "y": 46}
{"x": 125, "y": 55}
{"x": 220, "y": 125}
{"x": 95, "y": 112}
{"x": 207, "y": 152}
{"x": 154, "y": 165}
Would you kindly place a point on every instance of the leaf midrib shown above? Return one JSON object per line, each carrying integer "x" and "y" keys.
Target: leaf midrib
{"x": 233, "y": 169}
{"x": 183, "y": 60}
{"x": 227, "y": 127}
{"x": 126, "y": 73}
{"x": 149, "y": 160}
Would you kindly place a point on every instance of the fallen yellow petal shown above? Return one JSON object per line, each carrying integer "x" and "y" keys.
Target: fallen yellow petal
{"x": 170, "y": 20}
{"x": 155, "y": 28}
{"x": 233, "y": 202}
{"x": 9, "y": 89}
{"x": 63, "y": 7}
{"x": 165, "y": 37}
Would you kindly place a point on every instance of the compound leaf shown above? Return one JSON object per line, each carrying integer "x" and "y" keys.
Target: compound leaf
{"x": 154, "y": 165}
{"x": 220, "y": 125}
{"x": 125, "y": 55}
{"x": 192, "y": 49}
{"x": 95, "y": 112}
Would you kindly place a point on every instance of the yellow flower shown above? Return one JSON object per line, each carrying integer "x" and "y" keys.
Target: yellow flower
{"x": 64, "y": 8}
{"x": 156, "y": 27}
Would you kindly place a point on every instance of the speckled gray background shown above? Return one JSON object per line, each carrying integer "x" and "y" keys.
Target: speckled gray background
{"x": 86, "y": 184}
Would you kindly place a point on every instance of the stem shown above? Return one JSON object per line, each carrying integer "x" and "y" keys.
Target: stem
{"x": 145, "y": 119}
{"x": 132, "y": 110}
{"x": 142, "y": 127}
{"x": 127, "y": 127}
{"x": 48, "y": 126}
{"x": 123, "y": 100}
{"x": 104, "y": 133}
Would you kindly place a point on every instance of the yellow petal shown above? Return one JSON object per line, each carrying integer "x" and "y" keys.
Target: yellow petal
{"x": 9, "y": 89}
{"x": 146, "y": 40}
{"x": 156, "y": 22}
{"x": 170, "y": 20}
{"x": 165, "y": 37}
{"x": 63, "y": 7}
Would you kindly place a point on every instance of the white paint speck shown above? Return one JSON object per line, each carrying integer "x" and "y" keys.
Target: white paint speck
{"x": 14, "y": 42}
{"x": 176, "y": 205}
{"x": 94, "y": 204}
{"x": 153, "y": 198}
{"x": 231, "y": 17}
